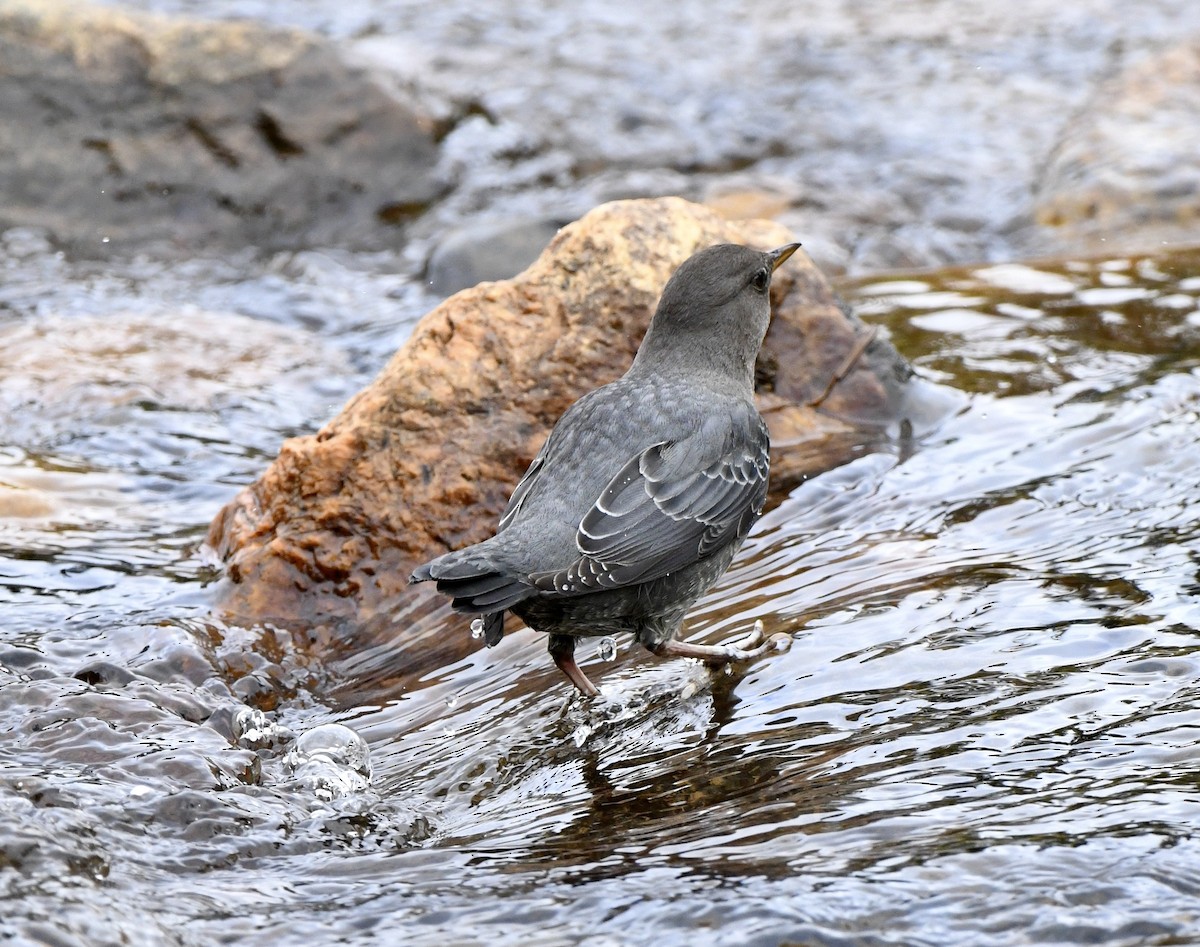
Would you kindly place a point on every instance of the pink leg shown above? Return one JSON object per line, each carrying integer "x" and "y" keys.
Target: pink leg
{"x": 562, "y": 650}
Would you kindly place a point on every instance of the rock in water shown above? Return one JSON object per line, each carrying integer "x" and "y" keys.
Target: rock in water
{"x": 424, "y": 459}
{"x": 488, "y": 250}
{"x": 1126, "y": 173}
{"x": 123, "y": 127}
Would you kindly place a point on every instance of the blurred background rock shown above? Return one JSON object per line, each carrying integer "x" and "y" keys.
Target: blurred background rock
{"x": 884, "y": 135}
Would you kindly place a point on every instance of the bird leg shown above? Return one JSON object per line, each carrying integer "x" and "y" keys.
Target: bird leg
{"x": 754, "y": 645}
{"x": 562, "y": 650}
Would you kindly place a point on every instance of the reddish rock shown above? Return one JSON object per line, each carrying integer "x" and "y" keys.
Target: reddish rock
{"x": 424, "y": 458}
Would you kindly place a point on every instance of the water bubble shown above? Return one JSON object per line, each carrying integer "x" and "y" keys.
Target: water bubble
{"x": 253, "y": 730}
{"x": 477, "y": 628}
{"x": 607, "y": 649}
{"x": 452, "y": 701}
{"x": 331, "y": 761}
{"x": 333, "y": 743}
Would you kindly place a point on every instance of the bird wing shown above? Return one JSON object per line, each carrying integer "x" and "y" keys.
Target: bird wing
{"x": 669, "y": 506}
{"x": 522, "y": 489}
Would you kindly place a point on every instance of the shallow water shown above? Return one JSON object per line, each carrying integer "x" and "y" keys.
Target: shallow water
{"x": 984, "y": 731}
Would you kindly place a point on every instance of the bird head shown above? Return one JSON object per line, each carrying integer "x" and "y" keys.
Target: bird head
{"x": 713, "y": 314}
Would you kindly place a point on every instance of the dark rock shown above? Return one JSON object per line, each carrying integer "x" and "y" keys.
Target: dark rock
{"x": 22, "y": 659}
{"x": 487, "y": 251}
{"x": 120, "y": 127}
{"x": 101, "y": 673}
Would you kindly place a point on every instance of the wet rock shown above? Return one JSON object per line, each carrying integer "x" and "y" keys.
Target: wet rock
{"x": 121, "y": 126}
{"x": 1126, "y": 172}
{"x": 104, "y": 673}
{"x": 424, "y": 458}
{"x": 492, "y": 250}
{"x": 22, "y": 659}
{"x": 751, "y": 197}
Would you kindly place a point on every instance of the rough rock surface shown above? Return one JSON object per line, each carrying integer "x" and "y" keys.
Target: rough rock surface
{"x": 1126, "y": 173}
{"x": 424, "y": 458}
{"x": 120, "y": 126}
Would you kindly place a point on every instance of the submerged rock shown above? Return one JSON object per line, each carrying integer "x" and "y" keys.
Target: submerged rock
{"x": 424, "y": 458}
{"x": 70, "y": 378}
{"x": 121, "y": 126}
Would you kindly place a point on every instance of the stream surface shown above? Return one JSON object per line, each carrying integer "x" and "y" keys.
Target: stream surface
{"x": 984, "y": 732}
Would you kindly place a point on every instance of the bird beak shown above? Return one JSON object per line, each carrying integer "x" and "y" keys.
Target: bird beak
{"x": 778, "y": 256}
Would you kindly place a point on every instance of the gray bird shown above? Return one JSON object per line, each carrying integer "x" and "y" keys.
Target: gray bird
{"x": 646, "y": 487}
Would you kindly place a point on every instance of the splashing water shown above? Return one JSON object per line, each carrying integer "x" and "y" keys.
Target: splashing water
{"x": 477, "y": 628}
{"x": 330, "y": 760}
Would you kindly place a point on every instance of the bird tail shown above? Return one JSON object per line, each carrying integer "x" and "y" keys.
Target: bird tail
{"x": 477, "y": 586}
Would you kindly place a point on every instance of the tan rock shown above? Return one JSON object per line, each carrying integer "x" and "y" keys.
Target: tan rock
{"x": 748, "y": 203}
{"x": 424, "y": 458}
{"x": 20, "y": 503}
{"x": 1125, "y": 176}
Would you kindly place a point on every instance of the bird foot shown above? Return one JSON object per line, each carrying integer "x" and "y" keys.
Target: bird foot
{"x": 754, "y": 645}
{"x": 753, "y": 640}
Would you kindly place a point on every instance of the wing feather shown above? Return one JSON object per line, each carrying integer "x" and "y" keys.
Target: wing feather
{"x": 670, "y": 506}
{"x": 524, "y": 485}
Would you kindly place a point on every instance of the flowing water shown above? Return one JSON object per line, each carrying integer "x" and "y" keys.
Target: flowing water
{"x": 984, "y": 731}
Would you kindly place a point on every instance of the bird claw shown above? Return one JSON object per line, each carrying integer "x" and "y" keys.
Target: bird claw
{"x": 756, "y": 644}
{"x": 754, "y": 639}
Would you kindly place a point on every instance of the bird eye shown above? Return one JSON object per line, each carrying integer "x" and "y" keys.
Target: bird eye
{"x": 762, "y": 279}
